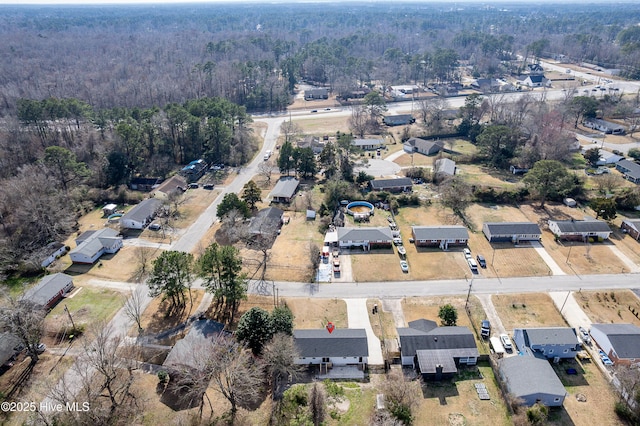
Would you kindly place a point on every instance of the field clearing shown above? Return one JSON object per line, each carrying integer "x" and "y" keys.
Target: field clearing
{"x": 418, "y": 160}
{"x": 328, "y": 125}
{"x": 480, "y": 175}
{"x": 432, "y": 215}
{"x": 316, "y": 313}
{"x": 609, "y": 306}
{"x": 527, "y": 310}
{"x": 456, "y": 402}
{"x": 481, "y": 213}
{"x": 87, "y": 306}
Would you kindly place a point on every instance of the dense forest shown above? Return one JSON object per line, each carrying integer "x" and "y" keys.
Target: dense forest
{"x": 91, "y": 96}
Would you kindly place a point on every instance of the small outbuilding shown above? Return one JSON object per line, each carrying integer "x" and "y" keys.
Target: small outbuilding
{"x": 109, "y": 209}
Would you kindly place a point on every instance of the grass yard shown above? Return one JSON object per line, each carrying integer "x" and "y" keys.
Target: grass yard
{"x": 456, "y": 402}
{"x": 316, "y": 313}
{"x": 481, "y": 213}
{"x": 382, "y": 323}
{"x": 609, "y": 306}
{"x": 120, "y": 266}
{"x": 527, "y": 310}
{"x": 360, "y": 400}
{"x": 155, "y": 318}
{"x": 483, "y": 176}
{"x": 329, "y": 125}
{"x": 418, "y": 160}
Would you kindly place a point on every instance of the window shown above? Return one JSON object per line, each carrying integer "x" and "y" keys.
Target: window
{"x": 325, "y": 359}
{"x": 556, "y": 399}
{"x": 550, "y": 351}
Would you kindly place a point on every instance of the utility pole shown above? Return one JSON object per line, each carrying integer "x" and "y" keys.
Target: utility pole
{"x": 70, "y": 319}
{"x": 468, "y": 294}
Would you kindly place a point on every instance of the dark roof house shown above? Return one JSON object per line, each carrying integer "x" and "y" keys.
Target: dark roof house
{"x": 141, "y": 214}
{"x": 631, "y": 227}
{"x": 630, "y": 170}
{"x": 548, "y": 342}
{"x": 511, "y": 231}
{"x": 621, "y": 342}
{"x": 365, "y": 238}
{"x": 440, "y": 236}
{"x": 144, "y": 184}
{"x": 49, "y": 290}
{"x": 532, "y": 380}
{"x": 316, "y": 93}
{"x": 346, "y": 348}
{"x": 9, "y": 345}
{"x": 284, "y": 190}
{"x": 398, "y": 120}
{"x": 174, "y": 185}
{"x": 266, "y": 223}
{"x": 391, "y": 185}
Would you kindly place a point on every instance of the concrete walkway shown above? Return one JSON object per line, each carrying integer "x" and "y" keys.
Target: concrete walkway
{"x": 631, "y": 266}
{"x": 553, "y": 266}
{"x": 358, "y": 317}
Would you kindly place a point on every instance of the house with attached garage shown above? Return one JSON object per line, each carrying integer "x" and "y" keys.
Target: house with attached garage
{"x": 629, "y": 169}
{"x": 422, "y": 146}
{"x": 604, "y": 126}
{"x": 391, "y": 185}
{"x": 365, "y": 238}
{"x": 532, "y": 380}
{"x": 284, "y": 190}
{"x": 341, "y": 347}
{"x": 436, "y": 352}
{"x": 580, "y": 230}
{"x": 91, "y": 245}
{"x": 440, "y": 236}
{"x": 515, "y": 232}
{"x": 368, "y": 144}
{"x": 621, "y": 342}
{"x": 49, "y": 290}
{"x": 548, "y": 342}
{"x": 631, "y": 227}
{"x": 141, "y": 215}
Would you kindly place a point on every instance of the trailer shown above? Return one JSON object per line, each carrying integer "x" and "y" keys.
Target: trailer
{"x": 497, "y": 347}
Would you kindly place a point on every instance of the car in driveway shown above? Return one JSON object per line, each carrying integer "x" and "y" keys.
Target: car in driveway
{"x": 481, "y": 261}
{"x": 584, "y": 336}
{"x": 506, "y": 342}
{"x": 605, "y": 359}
{"x": 155, "y": 227}
{"x": 473, "y": 265}
{"x": 404, "y": 266}
{"x": 397, "y": 241}
{"x": 467, "y": 253}
{"x": 485, "y": 329}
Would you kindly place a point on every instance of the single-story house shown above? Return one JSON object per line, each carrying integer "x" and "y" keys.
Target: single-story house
{"x": 444, "y": 166}
{"x": 401, "y": 92}
{"x": 109, "y": 209}
{"x": 422, "y": 146}
{"x": 436, "y": 351}
{"x": 621, "y": 342}
{"x": 284, "y": 190}
{"x": 366, "y": 238}
{"x": 368, "y": 144}
{"x": 312, "y": 142}
{"x": 630, "y": 170}
{"x": 91, "y": 245}
{"x": 486, "y": 84}
{"x": 550, "y": 342}
{"x": 267, "y": 222}
{"x": 391, "y": 185}
{"x": 538, "y": 80}
{"x": 316, "y": 93}
{"x": 606, "y": 157}
{"x": 174, "y": 185}
{"x": 187, "y": 352}
{"x": 440, "y": 236}
{"x": 632, "y": 227}
{"x": 604, "y": 126}
{"x": 398, "y": 120}
{"x": 532, "y": 380}
{"x": 144, "y": 183}
{"x": 9, "y": 347}
{"x": 194, "y": 170}
{"x": 141, "y": 215}
{"x": 514, "y": 232}
{"x": 49, "y": 290}
{"x": 53, "y": 251}
{"x": 580, "y": 230}
{"x": 343, "y": 346}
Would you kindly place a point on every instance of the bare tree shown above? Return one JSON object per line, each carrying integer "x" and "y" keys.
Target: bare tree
{"x": 279, "y": 356}
{"x": 234, "y": 226}
{"x": 607, "y": 182}
{"x": 135, "y": 303}
{"x": 359, "y": 120}
{"x": 24, "y": 320}
{"x": 401, "y": 395}
{"x": 143, "y": 257}
{"x": 265, "y": 169}
{"x": 290, "y": 130}
{"x": 317, "y": 403}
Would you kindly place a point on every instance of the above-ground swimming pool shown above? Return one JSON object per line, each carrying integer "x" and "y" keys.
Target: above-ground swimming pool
{"x": 360, "y": 208}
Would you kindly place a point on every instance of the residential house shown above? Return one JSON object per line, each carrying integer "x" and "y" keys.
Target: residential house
{"x": 436, "y": 351}
{"x": 194, "y": 170}
{"x": 535, "y": 68}
{"x": 549, "y": 342}
{"x": 145, "y": 184}
{"x": 532, "y": 380}
{"x": 187, "y": 352}
{"x": 440, "y": 236}
{"x": 629, "y": 169}
{"x": 580, "y": 230}
{"x": 141, "y": 215}
{"x": 444, "y": 167}
{"x": 486, "y": 84}
{"x": 401, "y": 92}
{"x": 91, "y": 245}
{"x": 341, "y": 347}
{"x": 632, "y": 227}
{"x": 621, "y": 342}
{"x": 368, "y": 144}
{"x": 391, "y": 185}
{"x": 312, "y": 142}
{"x": 356, "y": 93}
{"x": 606, "y": 157}
{"x": 398, "y": 120}
{"x": 604, "y": 126}
{"x": 284, "y": 190}
{"x": 514, "y": 232}
{"x": 266, "y": 223}
{"x": 53, "y": 251}
{"x": 49, "y": 290}
{"x": 316, "y": 93}
{"x": 538, "y": 80}
{"x": 174, "y": 185}
{"x": 422, "y": 146}
{"x": 9, "y": 347}
{"x": 365, "y": 238}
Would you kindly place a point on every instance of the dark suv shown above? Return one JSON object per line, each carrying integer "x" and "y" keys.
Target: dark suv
{"x": 485, "y": 329}
{"x": 481, "y": 261}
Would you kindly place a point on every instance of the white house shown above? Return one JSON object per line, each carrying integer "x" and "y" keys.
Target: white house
{"x": 368, "y": 144}
{"x": 580, "y": 230}
{"x": 511, "y": 231}
{"x": 91, "y": 245}
{"x": 365, "y": 238}
{"x": 141, "y": 215}
{"x": 53, "y": 251}
{"x": 343, "y": 346}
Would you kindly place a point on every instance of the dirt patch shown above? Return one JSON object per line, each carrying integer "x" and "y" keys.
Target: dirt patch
{"x": 157, "y": 318}
{"x": 316, "y": 313}
{"x": 609, "y": 306}
{"x": 527, "y": 310}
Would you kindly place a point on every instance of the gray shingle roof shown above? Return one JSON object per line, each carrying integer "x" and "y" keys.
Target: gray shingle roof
{"x": 143, "y": 210}
{"x": 342, "y": 342}
{"x": 578, "y": 226}
{"x": 633, "y": 168}
{"x": 48, "y": 287}
{"x": 412, "y": 340}
{"x": 367, "y": 142}
{"x": 390, "y": 183}
{"x": 513, "y": 228}
{"x": 285, "y": 188}
{"x": 625, "y": 338}
{"x": 266, "y": 220}
{"x": 635, "y": 223}
{"x": 440, "y": 232}
{"x": 550, "y": 336}
{"x": 423, "y": 145}
{"x": 526, "y": 375}
{"x": 428, "y": 360}
{"x": 8, "y": 343}
{"x": 91, "y": 242}
{"x": 365, "y": 234}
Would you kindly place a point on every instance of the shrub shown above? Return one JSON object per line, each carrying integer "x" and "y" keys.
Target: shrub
{"x": 163, "y": 376}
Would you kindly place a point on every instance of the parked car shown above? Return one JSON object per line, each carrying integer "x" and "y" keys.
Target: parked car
{"x": 584, "y": 336}
{"x": 506, "y": 342}
{"x": 404, "y": 266}
{"x": 472, "y": 265}
{"x": 481, "y": 261}
{"x": 193, "y": 186}
{"x": 397, "y": 241}
{"x": 605, "y": 359}
{"x": 41, "y": 347}
{"x": 402, "y": 251}
{"x": 485, "y": 329}
{"x": 155, "y": 227}
{"x": 467, "y": 253}
{"x": 208, "y": 186}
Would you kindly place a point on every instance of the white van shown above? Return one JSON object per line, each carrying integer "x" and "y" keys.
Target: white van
{"x": 472, "y": 264}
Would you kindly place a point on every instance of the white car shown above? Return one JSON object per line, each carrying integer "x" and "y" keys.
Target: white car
{"x": 404, "y": 266}
{"x": 467, "y": 253}
{"x": 506, "y": 342}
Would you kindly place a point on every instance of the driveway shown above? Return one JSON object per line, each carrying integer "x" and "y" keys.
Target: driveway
{"x": 631, "y": 266}
{"x": 553, "y": 266}
{"x": 378, "y": 168}
{"x": 358, "y": 317}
